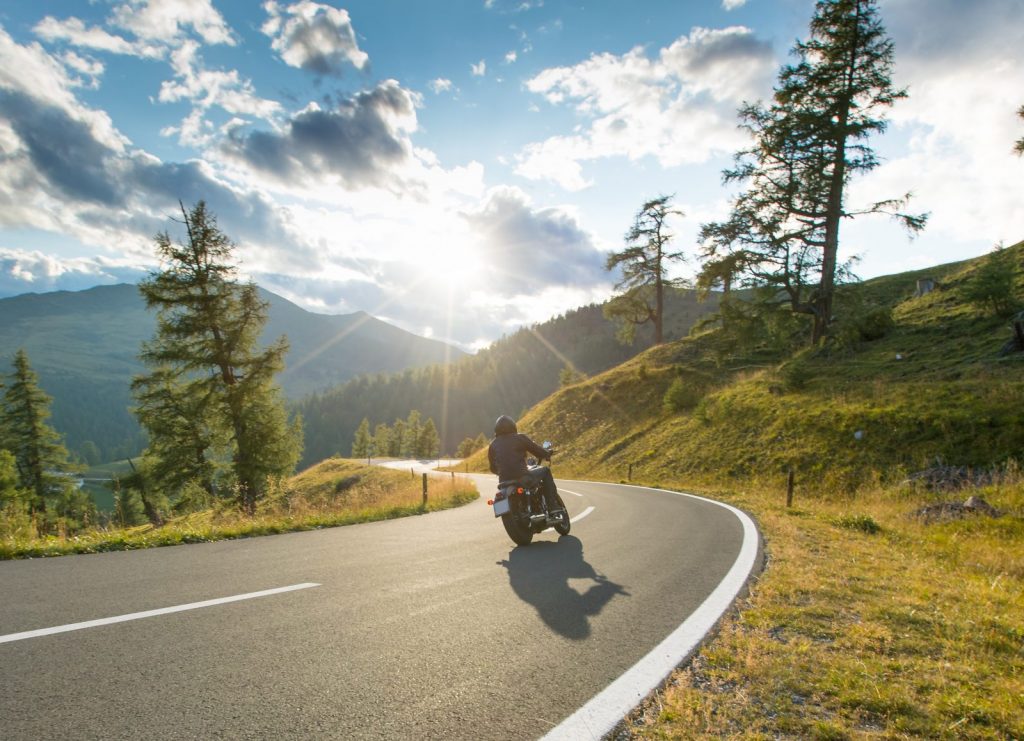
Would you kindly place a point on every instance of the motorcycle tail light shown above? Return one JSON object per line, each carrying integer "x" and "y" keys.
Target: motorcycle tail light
{"x": 520, "y": 490}
{"x": 490, "y": 502}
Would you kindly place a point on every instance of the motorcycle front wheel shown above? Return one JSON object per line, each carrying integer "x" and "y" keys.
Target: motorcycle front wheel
{"x": 562, "y": 528}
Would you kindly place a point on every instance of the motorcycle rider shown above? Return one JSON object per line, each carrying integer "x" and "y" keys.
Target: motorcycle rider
{"x": 507, "y": 458}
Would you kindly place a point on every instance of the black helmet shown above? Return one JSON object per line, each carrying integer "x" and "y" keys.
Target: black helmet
{"x": 504, "y": 425}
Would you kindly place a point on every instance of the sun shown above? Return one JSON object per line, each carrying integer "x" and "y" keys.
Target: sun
{"x": 453, "y": 266}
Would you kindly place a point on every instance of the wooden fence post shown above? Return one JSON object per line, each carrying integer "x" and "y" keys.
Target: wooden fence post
{"x": 424, "y": 491}
{"x": 789, "y": 489}
{"x": 629, "y": 474}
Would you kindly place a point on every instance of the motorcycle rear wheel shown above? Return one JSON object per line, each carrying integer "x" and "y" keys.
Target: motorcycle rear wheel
{"x": 520, "y": 534}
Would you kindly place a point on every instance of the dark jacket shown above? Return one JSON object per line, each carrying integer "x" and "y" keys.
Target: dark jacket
{"x": 507, "y": 455}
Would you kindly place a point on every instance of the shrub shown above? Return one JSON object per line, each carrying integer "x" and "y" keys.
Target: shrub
{"x": 795, "y": 374}
{"x": 991, "y": 287}
{"x": 863, "y": 523}
{"x": 682, "y": 396}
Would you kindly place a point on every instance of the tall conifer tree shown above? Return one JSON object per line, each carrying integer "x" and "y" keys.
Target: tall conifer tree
{"x": 784, "y": 230}
{"x": 205, "y": 356}
{"x": 362, "y": 443}
{"x": 644, "y": 265}
{"x": 429, "y": 442}
{"x": 39, "y": 456}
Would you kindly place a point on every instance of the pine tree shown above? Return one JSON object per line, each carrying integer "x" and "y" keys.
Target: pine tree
{"x": 411, "y": 435}
{"x": 429, "y": 443}
{"x": 40, "y": 458}
{"x": 466, "y": 448}
{"x": 10, "y": 492}
{"x": 362, "y": 443}
{"x": 397, "y": 439}
{"x": 205, "y": 355}
{"x": 784, "y": 230}
{"x": 381, "y": 440}
{"x": 644, "y": 264}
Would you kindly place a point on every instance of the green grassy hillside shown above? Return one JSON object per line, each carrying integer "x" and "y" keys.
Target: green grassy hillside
{"x": 933, "y": 387}
{"x": 868, "y": 621}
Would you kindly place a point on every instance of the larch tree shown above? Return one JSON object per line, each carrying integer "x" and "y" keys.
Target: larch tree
{"x": 784, "y": 229}
{"x": 644, "y": 264}
{"x": 205, "y": 355}
{"x": 186, "y": 442}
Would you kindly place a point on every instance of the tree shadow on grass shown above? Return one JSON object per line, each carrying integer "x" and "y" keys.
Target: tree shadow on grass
{"x": 539, "y": 574}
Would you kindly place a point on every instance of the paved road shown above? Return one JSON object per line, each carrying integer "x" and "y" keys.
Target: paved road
{"x": 426, "y": 627}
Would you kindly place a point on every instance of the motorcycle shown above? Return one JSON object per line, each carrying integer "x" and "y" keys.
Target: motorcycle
{"x": 524, "y": 511}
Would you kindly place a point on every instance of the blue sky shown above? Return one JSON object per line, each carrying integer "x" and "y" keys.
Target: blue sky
{"x": 458, "y": 168}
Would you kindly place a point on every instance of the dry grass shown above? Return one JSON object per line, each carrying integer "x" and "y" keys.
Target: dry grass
{"x": 335, "y": 492}
{"x": 865, "y": 624}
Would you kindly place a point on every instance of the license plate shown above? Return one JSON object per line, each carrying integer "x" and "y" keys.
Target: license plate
{"x": 501, "y": 507}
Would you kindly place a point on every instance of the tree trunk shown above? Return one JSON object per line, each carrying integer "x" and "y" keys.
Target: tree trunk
{"x": 834, "y": 211}
{"x": 659, "y": 311}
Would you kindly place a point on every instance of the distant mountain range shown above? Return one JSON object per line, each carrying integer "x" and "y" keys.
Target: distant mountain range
{"x": 508, "y": 377}
{"x": 85, "y": 346}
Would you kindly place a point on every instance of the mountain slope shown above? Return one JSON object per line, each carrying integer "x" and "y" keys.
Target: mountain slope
{"x": 85, "y": 345}
{"x": 506, "y": 378}
{"x": 933, "y": 387}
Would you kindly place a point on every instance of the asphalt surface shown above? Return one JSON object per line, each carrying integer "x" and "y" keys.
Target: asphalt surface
{"x": 434, "y": 626}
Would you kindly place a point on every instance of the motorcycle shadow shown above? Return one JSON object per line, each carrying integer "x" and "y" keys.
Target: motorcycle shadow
{"x": 540, "y": 574}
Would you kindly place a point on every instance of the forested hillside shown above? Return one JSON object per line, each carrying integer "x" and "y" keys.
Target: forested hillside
{"x": 508, "y": 377}
{"x": 85, "y": 346}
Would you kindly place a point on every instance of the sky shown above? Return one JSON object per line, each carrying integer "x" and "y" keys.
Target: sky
{"x": 459, "y": 168}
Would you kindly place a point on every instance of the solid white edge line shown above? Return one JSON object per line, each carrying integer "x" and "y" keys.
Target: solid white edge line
{"x": 149, "y": 613}
{"x": 574, "y": 493}
{"x": 608, "y": 708}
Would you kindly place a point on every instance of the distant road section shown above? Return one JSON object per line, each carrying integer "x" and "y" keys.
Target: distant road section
{"x": 434, "y": 626}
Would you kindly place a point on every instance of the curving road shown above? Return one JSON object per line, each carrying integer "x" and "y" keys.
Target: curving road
{"x": 426, "y": 627}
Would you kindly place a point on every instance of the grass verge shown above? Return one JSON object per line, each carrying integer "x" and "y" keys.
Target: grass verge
{"x": 333, "y": 493}
{"x": 867, "y": 623}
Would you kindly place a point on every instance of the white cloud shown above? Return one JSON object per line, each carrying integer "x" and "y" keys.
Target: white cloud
{"x": 441, "y": 85}
{"x": 205, "y": 89}
{"x": 679, "y": 107}
{"x": 95, "y": 186}
{"x": 950, "y": 141}
{"x": 166, "y": 20}
{"x": 511, "y": 57}
{"x": 30, "y": 270}
{"x": 479, "y": 69}
{"x": 362, "y": 142}
{"x": 733, "y": 4}
{"x": 84, "y": 65}
{"x": 74, "y": 31}
{"x": 314, "y": 37}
